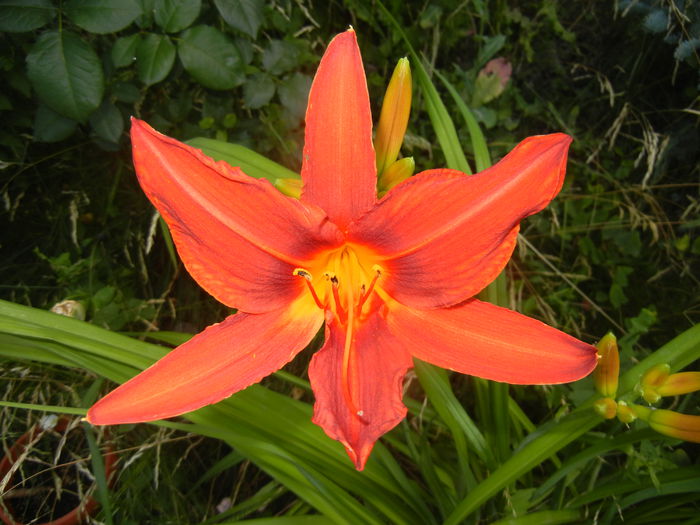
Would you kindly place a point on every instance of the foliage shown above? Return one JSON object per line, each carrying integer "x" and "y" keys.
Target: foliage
{"x": 619, "y": 250}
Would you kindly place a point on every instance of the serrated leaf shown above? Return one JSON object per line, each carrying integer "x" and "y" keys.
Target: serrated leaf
{"x": 176, "y": 15}
{"x": 124, "y": 50}
{"x": 66, "y": 74}
{"x": 102, "y": 16}
{"x": 107, "y": 122}
{"x": 258, "y": 91}
{"x": 245, "y": 15}
{"x": 49, "y": 126}
{"x": 280, "y": 57}
{"x": 155, "y": 56}
{"x": 24, "y": 15}
{"x": 211, "y": 58}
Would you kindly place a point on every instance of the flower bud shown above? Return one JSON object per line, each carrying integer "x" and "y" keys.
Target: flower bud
{"x": 682, "y": 383}
{"x": 606, "y": 372}
{"x": 70, "y": 308}
{"x": 393, "y": 119}
{"x": 606, "y": 407}
{"x": 290, "y": 187}
{"x": 652, "y": 380}
{"x": 626, "y": 413}
{"x": 675, "y": 424}
{"x": 399, "y": 171}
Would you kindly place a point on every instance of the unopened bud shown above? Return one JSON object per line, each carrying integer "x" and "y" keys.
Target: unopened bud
{"x": 606, "y": 372}
{"x": 606, "y": 407}
{"x": 681, "y": 383}
{"x": 625, "y": 413}
{"x": 70, "y": 308}
{"x": 399, "y": 171}
{"x": 675, "y": 424}
{"x": 652, "y": 380}
{"x": 393, "y": 119}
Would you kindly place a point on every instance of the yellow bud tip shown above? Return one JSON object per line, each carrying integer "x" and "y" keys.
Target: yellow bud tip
{"x": 290, "y": 187}
{"x": 393, "y": 119}
{"x": 398, "y": 172}
{"x": 607, "y": 370}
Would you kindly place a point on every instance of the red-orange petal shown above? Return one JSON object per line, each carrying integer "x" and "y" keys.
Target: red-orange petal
{"x": 442, "y": 236}
{"x": 483, "y": 340}
{"x": 338, "y": 169}
{"x": 223, "y": 359}
{"x": 377, "y": 368}
{"x": 238, "y": 236}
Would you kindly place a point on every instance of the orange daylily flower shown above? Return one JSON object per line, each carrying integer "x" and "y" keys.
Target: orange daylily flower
{"x": 387, "y": 279}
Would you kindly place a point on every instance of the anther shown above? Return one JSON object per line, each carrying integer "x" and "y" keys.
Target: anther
{"x": 366, "y": 293}
{"x": 307, "y": 277}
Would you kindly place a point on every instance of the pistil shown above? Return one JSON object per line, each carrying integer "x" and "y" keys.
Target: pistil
{"x": 347, "y": 278}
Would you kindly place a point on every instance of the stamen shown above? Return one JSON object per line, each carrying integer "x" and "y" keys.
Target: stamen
{"x": 342, "y": 314}
{"x": 307, "y": 277}
{"x": 365, "y": 294}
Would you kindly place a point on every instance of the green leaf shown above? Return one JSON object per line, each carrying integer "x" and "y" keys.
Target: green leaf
{"x": 102, "y": 16}
{"x": 492, "y": 45}
{"x": 155, "y": 56}
{"x": 107, "y": 122}
{"x": 211, "y": 58}
{"x": 252, "y": 163}
{"x": 482, "y": 157}
{"x": 17, "y": 16}
{"x": 124, "y": 50}
{"x": 176, "y": 15}
{"x": 280, "y": 57}
{"x": 258, "y": 90}
{"x": 66, "y": 74}
{"x": 125, "y": 92}
{"x": 49, "y": 126}
{"x": 294, "y": 94}
{"x": 244, "y": 15}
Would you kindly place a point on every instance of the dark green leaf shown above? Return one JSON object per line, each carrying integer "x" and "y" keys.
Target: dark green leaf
{"x": 125, "y": 92}
{"x": 49, "y": 126}
{"x": 124, "y": 50}
{"x": 155, "y": 56}
{"x": 66, "y": 74}
{"x": 102, "y": 16}
{"x": 176, "y": 15}
{"x": 492, "y": 45}
{"x": 280, "y": 57}
{"x": 244, "y": 15}
{"x": 24, "y": 15}
{"x": 294, "y": 94}
{"x": 211, "y": 58}
{"x": 146, "y": 19}
{"x": 258, "y": 90}
{"x": 107, "y": 122}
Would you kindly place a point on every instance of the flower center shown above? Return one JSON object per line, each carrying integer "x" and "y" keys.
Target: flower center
{"x": 342, "y": 281}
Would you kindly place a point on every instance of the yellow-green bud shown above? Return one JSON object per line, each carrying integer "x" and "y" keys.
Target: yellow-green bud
{"x": 393, "y": 118}
{"x": 606, "y": 372}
